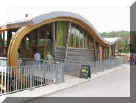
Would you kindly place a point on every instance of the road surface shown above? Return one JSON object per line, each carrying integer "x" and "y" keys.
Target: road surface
{"x": 114, "y": 84}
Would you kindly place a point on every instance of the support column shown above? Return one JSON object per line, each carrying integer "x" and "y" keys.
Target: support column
{"x": 3, "y": 38}
{"x": 114, "y": 51}
{"x": 33, "y": 43}
{"x": 95, "y": 50}
{"x": 79, "y": 40}
{"x": 23, "y": 51}
{"x": 36, "y": 39}
{"x": 3, "y": 44}
{"x": 101, "y": 52}
{"x": 104, "y": 52}
{"x": 109, "y": 51}
{"x": 30, "y": 45}
{"x": 9, "y": 36}
{"x": 85, "y": 40}
{"x": 0, "y": 43}
{"x": 54, "y": 38}
{"x": 67, "y": 38}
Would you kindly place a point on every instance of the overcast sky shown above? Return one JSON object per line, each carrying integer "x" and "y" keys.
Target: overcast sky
{"x": 105, "y": 15}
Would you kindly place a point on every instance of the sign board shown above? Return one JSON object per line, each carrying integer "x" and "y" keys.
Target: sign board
{"x": 85, "y": 71}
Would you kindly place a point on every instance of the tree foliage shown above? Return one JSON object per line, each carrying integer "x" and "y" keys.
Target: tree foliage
{"x": 124, "y": 35}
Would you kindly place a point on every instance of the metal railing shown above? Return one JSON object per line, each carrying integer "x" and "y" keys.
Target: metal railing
{"x": 13, "y": 79}
{"x": 96, "y": 66}
{"x": 105, "y": 64}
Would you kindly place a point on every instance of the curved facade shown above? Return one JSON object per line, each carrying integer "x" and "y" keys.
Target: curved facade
{"x": 65, "y": 35}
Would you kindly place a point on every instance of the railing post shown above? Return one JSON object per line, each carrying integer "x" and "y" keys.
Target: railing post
{"x": 60, "y": 73}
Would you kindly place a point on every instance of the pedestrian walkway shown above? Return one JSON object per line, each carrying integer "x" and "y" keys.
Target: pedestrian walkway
{"x": 115, "y": 84}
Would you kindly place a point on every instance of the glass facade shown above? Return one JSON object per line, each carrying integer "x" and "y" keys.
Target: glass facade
{"x": 60, "y": 34}
{"x": 76, "y": 38}
{"x": 0, "y": 40}
{"x": 80, "y": 39}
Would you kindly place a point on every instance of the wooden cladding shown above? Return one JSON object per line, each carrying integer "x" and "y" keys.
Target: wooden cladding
{"x": 60, "y": 54}
{"x": 15, "y": 42}
{"x": 101, "y": 53}
{"x": 79, "y": 55}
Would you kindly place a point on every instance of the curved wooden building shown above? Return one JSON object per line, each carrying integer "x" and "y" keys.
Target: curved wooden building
{"x": 67, "y": 36}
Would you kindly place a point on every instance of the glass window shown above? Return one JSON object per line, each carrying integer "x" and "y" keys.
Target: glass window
{"x": 60, "y": 34}
{"x": 90, "y": 43}
{"x": 76, "y": 38}
{"x": 71, "y": 41}
{"x": 0, "y": 40}
{"x": 85, "y": 41}
{"x": 80, "y": 38}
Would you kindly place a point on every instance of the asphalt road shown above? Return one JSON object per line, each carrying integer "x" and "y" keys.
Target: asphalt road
{"x": 115, "y": 84}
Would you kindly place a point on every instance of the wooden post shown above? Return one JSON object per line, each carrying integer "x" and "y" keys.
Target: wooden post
{"x": 3, "y": 43}
{"x": 109, "y": 51}
{"x": 33, "y": 43}
{"x": 23, "y": 51}
{"x": 30, "y": 45}
{"x": 79, "y": 39}
{"x": 106, "y": 51}
{"x": 114, "y": 50}
{"x": 9, "y": 37}
{"x": 3, "y": 38}
{"x": 0, "y": 36}
{"x": 83, "y": 41}
{"x": 54, "y": 38}
{"x": 96, "y": 51}
{"x": 86, "y": 41}
{"x": 36, "y": 39}
{"x": 67, "y": 38}
{"x": 101, "y": 52}
{"x": 94, "y": 44}
{"x": 0, "y": 44}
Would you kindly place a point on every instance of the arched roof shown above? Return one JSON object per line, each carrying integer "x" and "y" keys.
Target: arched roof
{"x": 44, "y": 19}
{"x": 52, "y": 15}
